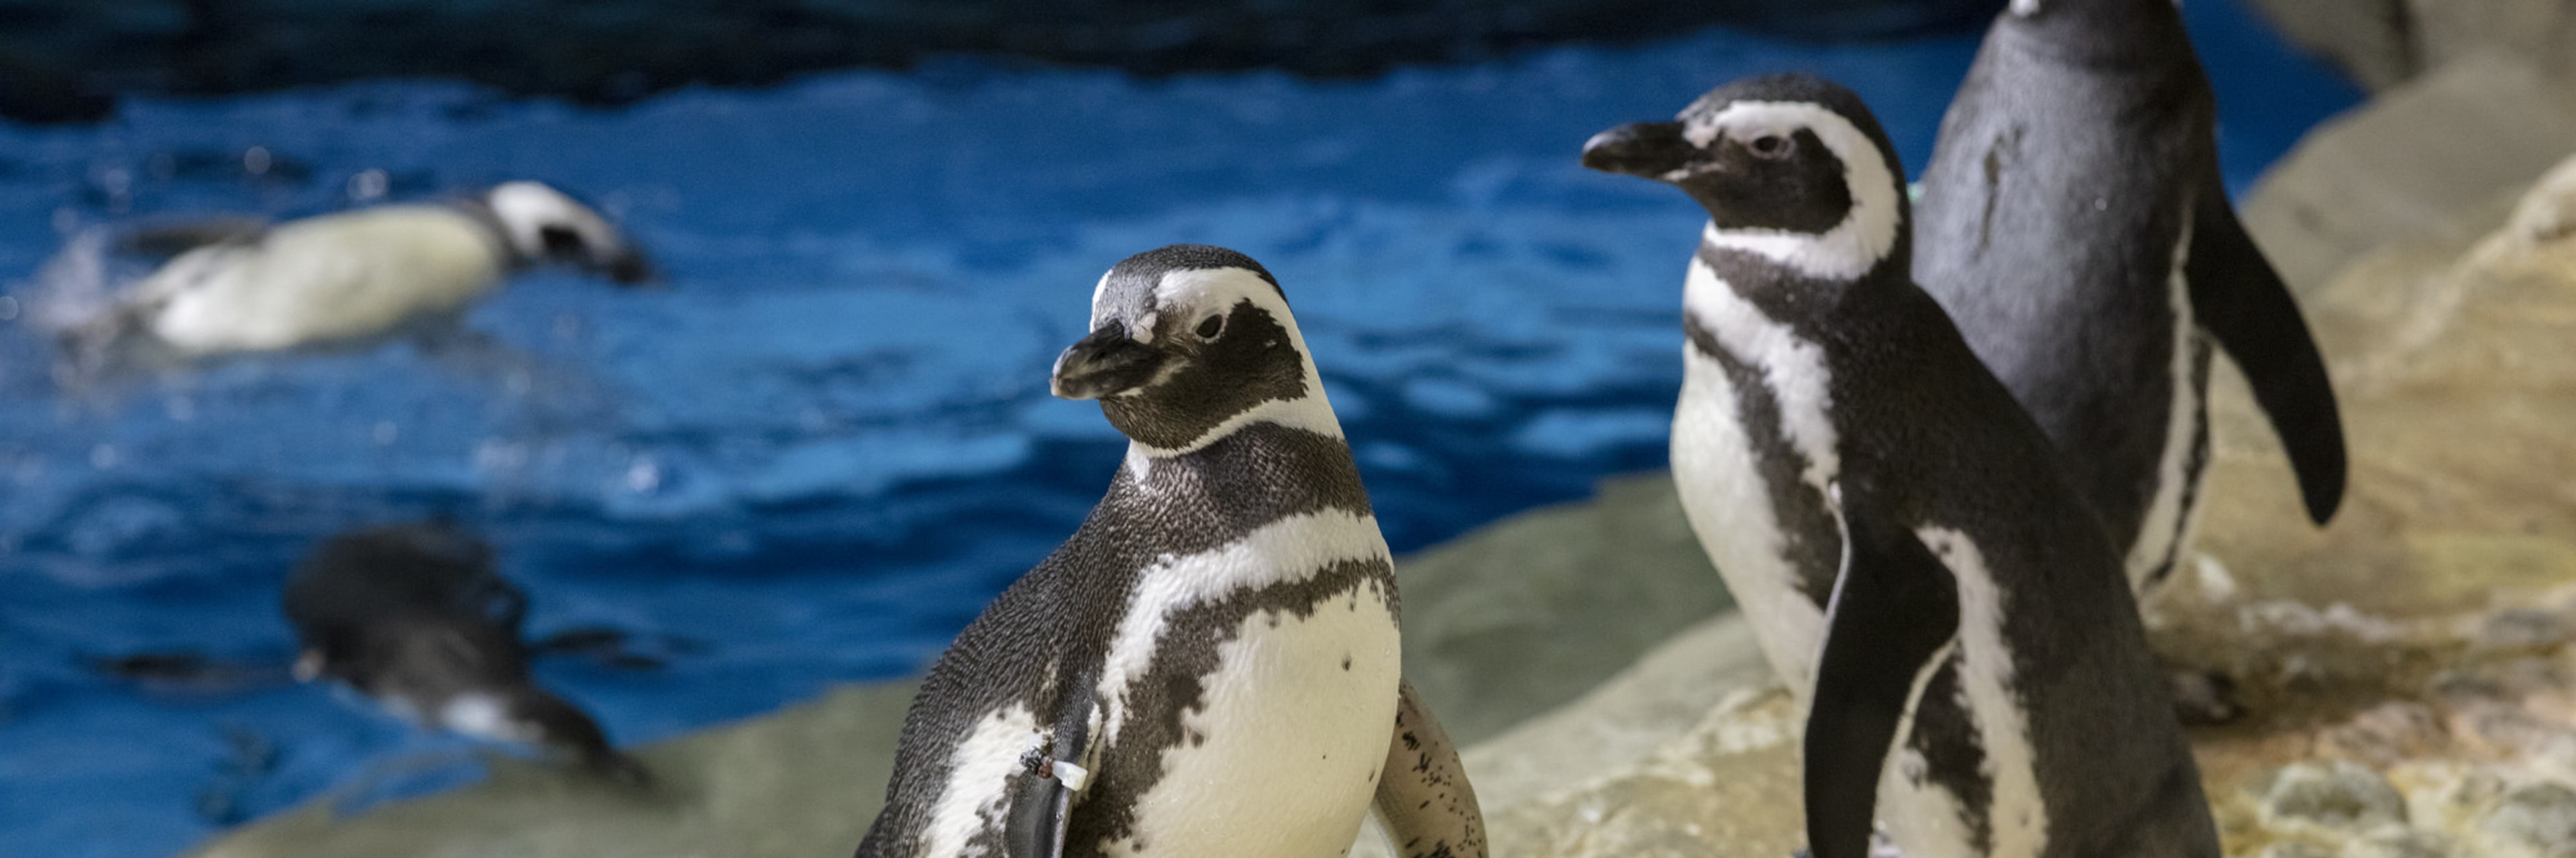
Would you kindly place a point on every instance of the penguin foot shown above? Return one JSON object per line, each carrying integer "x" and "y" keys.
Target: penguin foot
{"x": 2205, "y": 698}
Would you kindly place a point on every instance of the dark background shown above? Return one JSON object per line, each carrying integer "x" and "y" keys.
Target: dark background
{"x": 61, "y": 59}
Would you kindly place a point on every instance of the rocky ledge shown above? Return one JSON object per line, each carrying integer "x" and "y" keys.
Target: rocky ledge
{"x": 2409, "y": 670}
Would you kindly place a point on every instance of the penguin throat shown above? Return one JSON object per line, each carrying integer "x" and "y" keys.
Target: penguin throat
{"x": 1309, "y": 412}
{"x": 1846, "y": 253}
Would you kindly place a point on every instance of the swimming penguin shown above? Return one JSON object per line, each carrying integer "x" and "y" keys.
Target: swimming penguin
{"x": 239, "y": 285}
{"x": 1898, "y": 532}
{"x": 2074, "y": 225}
{"x": 414, "y": 617}
{"x": 1209, "y": 665}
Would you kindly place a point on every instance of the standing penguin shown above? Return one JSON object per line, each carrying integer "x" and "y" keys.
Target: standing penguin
{"x": 2074, "y": 225}
{"x": 414, "y": 617}
{"x": 1981, "y": 679}
{"x": 1209, "y": 666}
{"x": 241, "y": 286}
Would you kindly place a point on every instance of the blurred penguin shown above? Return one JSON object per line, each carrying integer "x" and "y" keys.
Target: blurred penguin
{"x": 241, "y": 285}
{"x": 414, "y": 617}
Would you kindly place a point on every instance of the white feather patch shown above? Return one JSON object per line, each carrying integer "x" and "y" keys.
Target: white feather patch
{"x": 978, "y": 778}
{"x": 1284, "y": 551}
{"x": 1293, "y": 738}
{"x": 1793, "y": 367}
{"x": 2017, "y": 818}
{"x": 334, "y": 277}
{"x": 2166, "y": 528}
{"x": 1922, "y": 816}
{"x": 482, "y": 716}
{"x": 1717, "y": 470}
{"x": 1729, "y": 508}
{"x": 1865, "y": 235}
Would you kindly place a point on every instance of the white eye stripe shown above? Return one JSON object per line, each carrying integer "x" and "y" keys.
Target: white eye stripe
{"x": 1866, "y": 234}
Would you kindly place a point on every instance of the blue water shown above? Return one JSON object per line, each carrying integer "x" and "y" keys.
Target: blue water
{"x": 829, "y": 442}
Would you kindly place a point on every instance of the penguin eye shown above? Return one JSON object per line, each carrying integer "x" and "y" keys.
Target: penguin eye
{"x": 1211, "y": 326}
{"x": 560, "y": 240}
{"x": 1771, "y": 146}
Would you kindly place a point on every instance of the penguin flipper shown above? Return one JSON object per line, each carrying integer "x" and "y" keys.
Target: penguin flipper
{"x": 1042, "y": 801}
{"x": 2240, "y": 299}
{"x": 1424, "y": 802}
{"x": 1895, "y": 607}
{"x": 1041, "y": 806}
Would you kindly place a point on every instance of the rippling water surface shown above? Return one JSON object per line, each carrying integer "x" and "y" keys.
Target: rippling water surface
{"x": 821, "y": 450}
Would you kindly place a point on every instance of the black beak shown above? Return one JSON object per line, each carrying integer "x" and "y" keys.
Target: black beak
{"x": 625, "y": 267}
{"x": 1644, "y": 149}
{"x": 1105, "y": 364}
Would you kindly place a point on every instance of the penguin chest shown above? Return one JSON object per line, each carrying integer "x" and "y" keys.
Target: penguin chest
{"x": 1258, "y": 722}
{"x": 1753, "y": 449}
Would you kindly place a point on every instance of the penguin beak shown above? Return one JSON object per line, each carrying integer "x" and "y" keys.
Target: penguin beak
{"x": 1107, "y": 363}
{"x": 626, "y": 267}
{"x": 1643, "y": 149}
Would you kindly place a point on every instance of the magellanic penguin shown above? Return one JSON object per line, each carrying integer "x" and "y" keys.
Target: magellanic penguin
{"x": 1897, "y": 530}
{"x": 414, "y": 617}
{"x": 243, "y": 286}
{"x": 2073, "y": 223}
{"x": 1209, "y": 665}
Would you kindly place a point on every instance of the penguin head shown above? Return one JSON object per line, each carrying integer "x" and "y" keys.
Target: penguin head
{"x": 1790, "y": 166}
{"x": 544, "y": 225}
{"x": 1187, "y": 344}
{"x": 2086, "y": 29}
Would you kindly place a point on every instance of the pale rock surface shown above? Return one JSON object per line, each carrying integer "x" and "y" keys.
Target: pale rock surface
{"x": 2409, "y": 163}
{"x": 2383, "y": 43}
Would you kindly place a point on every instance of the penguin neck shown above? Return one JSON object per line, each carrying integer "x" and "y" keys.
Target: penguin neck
{"x": 494, "y": 231}
{"x": 1309, "y": 414}
{"x": 1783, "y": 280}
{"x": 1260, "y": 471}
{"x": 2097, "y": 30}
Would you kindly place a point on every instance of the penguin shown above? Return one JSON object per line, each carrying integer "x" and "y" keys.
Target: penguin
{"x": 414, "y": 617}
{"x": 1209, "y": 665}
{"x": 2074, "y": 224}
{"x": 1911, "y": 558}
{"x": 237, "y": 285}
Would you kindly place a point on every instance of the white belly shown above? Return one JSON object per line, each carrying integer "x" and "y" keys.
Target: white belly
{"x": 1729, "y": 507}
{"x": 1297, "y": 721}
{"x": 330, "y": 278}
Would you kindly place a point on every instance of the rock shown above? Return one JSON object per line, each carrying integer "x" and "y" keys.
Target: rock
{"x": 2542, "y": 32}
{"x": 2383, "y": 43}
{"x": 2523, "y": 628}
{"x": 1499, "y": 603}
{"x": 2537, "y": 820}
{"x": 2372, "y": 40}
{"x": 805, "y": 781}
{"x": 2398, "y": 843}
{"x": 2338, "y": 797}
{"x": 2398, "y": 167}
{"x": 2295, "y": 849}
